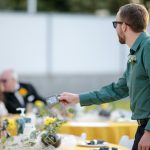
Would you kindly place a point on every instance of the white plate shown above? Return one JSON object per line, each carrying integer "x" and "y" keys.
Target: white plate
{"x": 98, "y": 149}
{"x": 87, "y": 145}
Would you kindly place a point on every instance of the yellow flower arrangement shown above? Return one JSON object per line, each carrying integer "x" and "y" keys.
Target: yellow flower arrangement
{"x": 49, "y": 136}
{"x": 12, "y": 127}
{"x": 39, "y": 103}
{"x": 11, "y": 124}
{"x": 49, "y": 120}
{"x": 104, "y": 106}
{"x": 23, "y": 91}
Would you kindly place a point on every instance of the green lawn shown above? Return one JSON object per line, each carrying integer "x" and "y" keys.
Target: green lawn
{"x": 123, "y": 104}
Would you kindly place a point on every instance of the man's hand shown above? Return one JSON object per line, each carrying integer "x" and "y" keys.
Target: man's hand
{"x": 69, "y": 98}
{"x": 144, "y": 143}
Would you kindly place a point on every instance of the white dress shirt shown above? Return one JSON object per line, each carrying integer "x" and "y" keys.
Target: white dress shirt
{"x": 3, "y": 110}
{"x": 18, "y": 96}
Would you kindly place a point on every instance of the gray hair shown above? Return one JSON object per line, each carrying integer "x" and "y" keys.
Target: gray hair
{"x": 15, "y": 75}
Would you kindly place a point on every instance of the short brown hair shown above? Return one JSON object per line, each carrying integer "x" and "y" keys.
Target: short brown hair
{"x": 135, "y": 15}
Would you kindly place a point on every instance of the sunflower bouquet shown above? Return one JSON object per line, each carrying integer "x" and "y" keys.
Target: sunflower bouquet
{"x": 43, "y": 138}
{"x": 49, "y": 136}
{"x": 41, "y": 109}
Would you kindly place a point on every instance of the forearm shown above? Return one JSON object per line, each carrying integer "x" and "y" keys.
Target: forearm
{"x": 107, "y": 94}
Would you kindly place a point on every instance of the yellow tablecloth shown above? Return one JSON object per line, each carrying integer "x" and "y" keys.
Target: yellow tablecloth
{"x": 110, "y": 132}
{"x": 111, "y": 145}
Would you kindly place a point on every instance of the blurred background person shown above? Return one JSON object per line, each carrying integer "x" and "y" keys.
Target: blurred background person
{"x": 3, "y": 110}
{"x": 17, "y": 94}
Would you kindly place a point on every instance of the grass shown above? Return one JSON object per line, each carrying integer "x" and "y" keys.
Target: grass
{"x": 122, "y": 104}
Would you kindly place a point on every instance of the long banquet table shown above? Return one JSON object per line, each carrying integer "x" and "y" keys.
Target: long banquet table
{"x": 111, "y": 145}
{"x": 109, "y": 131}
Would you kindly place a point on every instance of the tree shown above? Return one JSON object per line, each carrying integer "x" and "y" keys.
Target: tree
{"x": 54, "y": 5}
{"x": 9, "y": 5}
{"x": 114, "y": 5}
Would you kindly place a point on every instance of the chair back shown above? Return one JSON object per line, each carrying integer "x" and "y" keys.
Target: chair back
{"x": 126, "y": 142}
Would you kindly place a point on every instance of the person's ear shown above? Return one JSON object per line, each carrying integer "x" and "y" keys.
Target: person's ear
{"x": 124, "y": 27}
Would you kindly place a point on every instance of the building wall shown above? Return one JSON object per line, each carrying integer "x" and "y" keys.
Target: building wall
{"x": 55, "y": 84}
{"x": 61, "y": 52}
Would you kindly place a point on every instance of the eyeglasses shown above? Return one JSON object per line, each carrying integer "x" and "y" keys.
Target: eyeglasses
{"x": 3, "y": 80}
{"x": 115, "y": 23}
{"x": 118, "y": 22}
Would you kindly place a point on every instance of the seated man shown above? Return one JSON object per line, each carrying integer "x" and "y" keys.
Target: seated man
{"x": 17, "y": 94}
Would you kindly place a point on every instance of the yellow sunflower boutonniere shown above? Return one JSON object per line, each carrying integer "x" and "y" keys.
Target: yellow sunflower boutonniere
{"x": 132, "y": 59}
{"x": 23, "y": 91}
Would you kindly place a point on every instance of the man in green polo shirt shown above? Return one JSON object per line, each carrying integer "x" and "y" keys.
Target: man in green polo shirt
{"x": 131, "y": 24}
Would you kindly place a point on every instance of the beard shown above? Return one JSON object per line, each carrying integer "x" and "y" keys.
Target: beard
{"x": 121, "y": 37}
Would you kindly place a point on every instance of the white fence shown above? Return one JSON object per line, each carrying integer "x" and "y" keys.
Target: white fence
{"x": 60, "y": 44}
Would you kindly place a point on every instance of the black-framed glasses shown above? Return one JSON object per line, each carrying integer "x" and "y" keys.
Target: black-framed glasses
{"x": 3, "y": 80}
{"x": 118, "y": 22}
{"x": 115, "y": 23}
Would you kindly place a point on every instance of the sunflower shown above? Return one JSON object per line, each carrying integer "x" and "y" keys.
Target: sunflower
{"x": 49, "y": 120}
{"x": 23, "y": 91}
{"x": 39, "y": 103}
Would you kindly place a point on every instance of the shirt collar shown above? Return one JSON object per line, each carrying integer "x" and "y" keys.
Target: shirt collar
{"x": 17, "y": 87}
{"x": 138, "y": 41}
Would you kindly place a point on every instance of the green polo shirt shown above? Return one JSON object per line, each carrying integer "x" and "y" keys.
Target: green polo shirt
{"x": 134, "y": 83}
